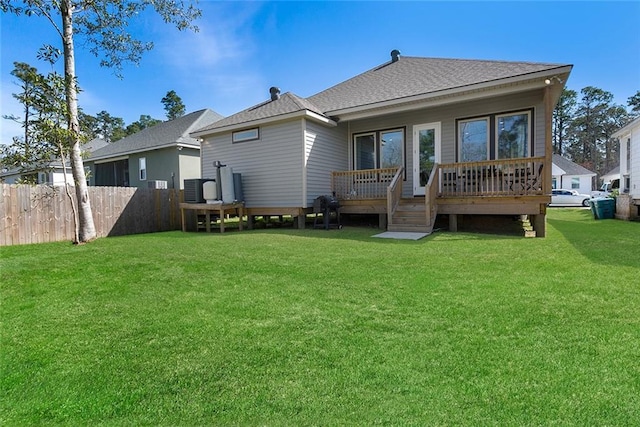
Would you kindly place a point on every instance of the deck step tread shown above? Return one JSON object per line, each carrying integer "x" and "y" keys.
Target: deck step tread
{"x": 410, "y": 228}
{"x": 410, "y": 215}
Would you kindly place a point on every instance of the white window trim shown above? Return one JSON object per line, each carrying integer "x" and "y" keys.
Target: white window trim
{"x": 142, "y": 168}
{"x": 475, "y": 119}
{"x": 237, "y": 136}
{"x": 529, "y": 130}
{"x": 403, "y": 148}
{"x": 375, "y": 149}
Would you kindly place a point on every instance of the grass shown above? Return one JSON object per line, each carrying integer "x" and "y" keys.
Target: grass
{"x": 313, "y": 327}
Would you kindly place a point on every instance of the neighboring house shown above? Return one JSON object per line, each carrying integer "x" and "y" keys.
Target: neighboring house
{"x": 409, "y": 139}
{"x": 162, "y": 156}
{"x": 571, "y": 176}
{"x": 629, "y": 202}
{"x": 50, "y": 173}
{"x": 612, "y": 175}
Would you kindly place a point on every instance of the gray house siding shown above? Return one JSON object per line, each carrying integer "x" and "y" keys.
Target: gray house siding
{"x": 162, "y": 165}
{"x": 447, "y": 116}
{"x": 168, "y": 164}
{"x": 271, "y": 166}
{"x": 326, "y": 150}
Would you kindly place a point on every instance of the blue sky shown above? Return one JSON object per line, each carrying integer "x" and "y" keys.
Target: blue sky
{"x": 243, "y": 48}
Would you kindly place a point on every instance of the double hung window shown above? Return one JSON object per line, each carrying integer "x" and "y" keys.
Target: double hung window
{"x": 142, "y": 162}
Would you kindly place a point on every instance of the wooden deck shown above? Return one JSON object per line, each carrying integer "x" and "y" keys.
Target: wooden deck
{"x": 501, "y": 187}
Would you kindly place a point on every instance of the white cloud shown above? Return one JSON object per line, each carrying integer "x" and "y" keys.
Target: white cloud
{"x": 216, "y": 63}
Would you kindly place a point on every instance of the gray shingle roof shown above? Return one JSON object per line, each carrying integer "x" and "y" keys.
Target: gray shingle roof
{"x": 392, "y": 81}
{"x": 411, "y": 76}
{"x": 570, "y": 167}
{"x": 287, "y": 103}
{"x": 163, "y": 134}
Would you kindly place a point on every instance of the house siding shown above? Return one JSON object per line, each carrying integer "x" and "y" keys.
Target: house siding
{"x": 565, "y": 182}
{"x": 326, "y": 150}
{"x": 188, "y": 167}
{"x": 161, "y": 164}
{"x": 271, "y": 166}
{"x": 634, "y": 173}
{"x": 447, "y": 116}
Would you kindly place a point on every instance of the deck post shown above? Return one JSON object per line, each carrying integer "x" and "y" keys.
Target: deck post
{"x": 540, "y": 225}
{"x": 300, "y": 221}
{"x": 453, "y": 222}
{"x": 382, "y": 221}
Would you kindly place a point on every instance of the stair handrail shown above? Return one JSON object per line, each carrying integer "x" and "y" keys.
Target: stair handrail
{"x": 394, "y": 194}
{"x": 430, "y": 195}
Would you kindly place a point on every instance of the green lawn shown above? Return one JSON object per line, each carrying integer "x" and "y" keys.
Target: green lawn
{"x": 311, "y": 327}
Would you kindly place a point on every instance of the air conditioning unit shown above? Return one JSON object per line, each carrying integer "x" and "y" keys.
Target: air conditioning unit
{"x": 193, "y": 190}
{"x": 158, "y": 184}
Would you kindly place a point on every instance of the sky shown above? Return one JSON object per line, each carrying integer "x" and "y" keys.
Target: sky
{"x": 243, "y": 48}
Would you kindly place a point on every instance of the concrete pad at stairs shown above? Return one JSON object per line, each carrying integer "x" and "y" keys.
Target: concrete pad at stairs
{"x": 401, "y": 235}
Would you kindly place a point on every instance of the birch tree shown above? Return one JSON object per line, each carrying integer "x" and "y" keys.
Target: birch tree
{"x": 102, "y": 26}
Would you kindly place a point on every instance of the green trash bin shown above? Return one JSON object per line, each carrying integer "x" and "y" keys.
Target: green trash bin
{"x": 603, "y": 207}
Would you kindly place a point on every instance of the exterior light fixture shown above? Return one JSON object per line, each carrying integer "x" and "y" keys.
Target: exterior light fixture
{"x": 550, "y": 80}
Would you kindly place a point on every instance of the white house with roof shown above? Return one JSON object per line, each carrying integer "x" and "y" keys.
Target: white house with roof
{"x": 161, "y": 156}
{"x": 50, "y": 172}
{"x": 629, "y": 199}
{"x": 571, "y": 176}
{"x": 408, "y": 140}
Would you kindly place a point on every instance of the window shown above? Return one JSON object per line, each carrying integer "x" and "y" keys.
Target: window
{"x": 512, "y": 135}
{"x": 392, "y": 148}
{"x": 575, "y": 183}
{"x": 382, "y": 149}
{"x": 554, "y": 182}
{"x": 498, "y": 136}
{"x": 474, "y": 139}
{"x": 365, "y": 151}
{"x": 245, "y": 135}
{"x": 142, "y": 162}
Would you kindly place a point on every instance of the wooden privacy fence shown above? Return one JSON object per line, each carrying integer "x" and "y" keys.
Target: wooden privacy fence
{"x": 42, "y": 213}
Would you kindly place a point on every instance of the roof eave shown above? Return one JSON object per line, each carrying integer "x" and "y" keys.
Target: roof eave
{"x": 267, "y": 120}
{"x": 626, "y": 129}
{"x": 124, "y": 154}
{"x": 462, "y": 93}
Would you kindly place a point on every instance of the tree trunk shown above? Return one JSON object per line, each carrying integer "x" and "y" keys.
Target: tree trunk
{"x": 86, "y": 228}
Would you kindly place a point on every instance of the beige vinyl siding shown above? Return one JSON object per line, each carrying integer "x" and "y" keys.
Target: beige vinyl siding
{"x": 189, "y": 167}
{"x": 271, "y": 166}
{"x": 326, "y": 150}
{"x": 447, "y": 116}
{"x": 635, "y": 162}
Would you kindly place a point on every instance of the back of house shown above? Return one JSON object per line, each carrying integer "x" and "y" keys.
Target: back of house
{"x": 437, "y": 136}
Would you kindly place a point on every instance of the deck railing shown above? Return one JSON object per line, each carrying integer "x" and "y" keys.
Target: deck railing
{"x": 430, "y": 194}
{"x": 508, "y": 177}
{"x": 362, "y": 184}
{"x": 491, "y": 178}
{"x": 394, "y": 194}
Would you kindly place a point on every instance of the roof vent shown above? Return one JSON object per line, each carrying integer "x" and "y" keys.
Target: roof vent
{"x": 395, "y": 55}
{"x": 275, "y": 93}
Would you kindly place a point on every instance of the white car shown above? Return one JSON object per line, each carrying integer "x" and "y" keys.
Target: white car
{"x": 569, "y": 197}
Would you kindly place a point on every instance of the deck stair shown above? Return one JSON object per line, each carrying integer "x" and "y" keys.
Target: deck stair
{"x": 527, "y": 228}
{"x": 410, "y": 216}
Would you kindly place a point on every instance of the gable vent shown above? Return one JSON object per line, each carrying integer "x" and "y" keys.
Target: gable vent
{"x": 275, "y": 93}
{"x": 395, "y": 55}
